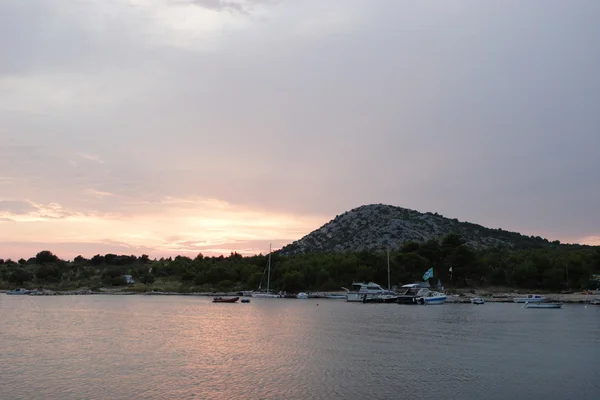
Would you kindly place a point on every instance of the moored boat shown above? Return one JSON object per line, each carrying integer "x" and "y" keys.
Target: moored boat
{"x": 543, "y": 305}
{"x": 435, "y": 298}
{"x": 19, "y": 291}
{"x": 370, "y": 289}
{"x": 268, "y": 294}
{"x": 225, "y": 299}
{"x": 477, "y": 300}
{"x": 302, "y": 295}
{"x": 384, "y": 298}
{"x": 415, "y": 293}
{"x": 532, "y": 298}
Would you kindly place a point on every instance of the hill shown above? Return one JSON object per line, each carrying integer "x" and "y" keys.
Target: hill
{"x": 379, "y": 226}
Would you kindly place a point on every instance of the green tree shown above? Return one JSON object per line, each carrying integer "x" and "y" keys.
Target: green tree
{"x": 45, "y": 256}
{"x": 19, "y": 276}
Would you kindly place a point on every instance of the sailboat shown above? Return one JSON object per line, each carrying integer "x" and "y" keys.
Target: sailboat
{"x": 268, "y": 293}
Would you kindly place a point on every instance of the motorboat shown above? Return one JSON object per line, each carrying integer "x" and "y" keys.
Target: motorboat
{"x": 532, "y": 298}
{"x": 477, "y": 300}
{"x": 433, "y": 297}
{"x": 225, "y": 299}
{"x": 380, "y": 298}
{"x": 366, "y": 290}
{"x": 302, "y": 295}
{"x": 414, "y": 293}
{"x": 543, "y": 305}
{"x": 19, "y": 291}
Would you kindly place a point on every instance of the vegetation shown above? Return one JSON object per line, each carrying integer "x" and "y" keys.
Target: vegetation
{"x": 455, "y": 263}
{"x": 376, "y": 226}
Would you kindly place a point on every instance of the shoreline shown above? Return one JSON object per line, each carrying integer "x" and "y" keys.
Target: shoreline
{"x": 493, "y": 297}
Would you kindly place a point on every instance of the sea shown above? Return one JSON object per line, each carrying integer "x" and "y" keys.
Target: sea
{"x": 186, "y": 347}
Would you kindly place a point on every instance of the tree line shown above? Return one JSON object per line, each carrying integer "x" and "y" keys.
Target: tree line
{"x": 455, "y": 264}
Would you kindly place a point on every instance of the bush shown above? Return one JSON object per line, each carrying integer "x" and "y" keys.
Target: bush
{"x": 147, "y": 279}
{"x": 48, "y": 273}
{"x": 45, "y": 256}
{"x": 19, "y": 276}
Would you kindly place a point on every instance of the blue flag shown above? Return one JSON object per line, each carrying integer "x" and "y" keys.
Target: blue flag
{"x": 428, "y": 274}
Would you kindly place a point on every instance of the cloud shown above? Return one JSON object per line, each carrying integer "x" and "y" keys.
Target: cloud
{"x": 29, "y": 211}
{"x": 16, "y": 207}
{"x": 144, "y": 110}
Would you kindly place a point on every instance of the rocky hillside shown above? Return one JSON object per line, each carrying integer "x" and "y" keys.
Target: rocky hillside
{"x": 379, "y": 226}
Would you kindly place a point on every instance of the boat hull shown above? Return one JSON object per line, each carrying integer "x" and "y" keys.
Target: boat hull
{"x": 543, "y": 305}
{"x": 19, "y": 292}
{"x": 477, "y": 301}
{"x": 435, "y": 300}
{"x": 354, "y": 298}
{"x": 266, "y": 295}
{"x": 226, "y": 300}
{"x": 411, "y": 300}
{"x": 380, "y": 299}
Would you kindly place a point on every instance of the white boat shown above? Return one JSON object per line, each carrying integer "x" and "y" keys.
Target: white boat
{"x": 267, "y": 294}
{"x": 477, "y": 300}
{"x": 543, "y": 305}
{"x": 433, "y": 297}
{"x": 415, "y": 293}
{"x": 302, "y": 295}
{"x": 19, "y": 292}
{"x": 532, "y": 298}
{"x": 370, "y": 290}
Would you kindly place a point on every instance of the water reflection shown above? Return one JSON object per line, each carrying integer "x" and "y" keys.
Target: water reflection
{"x": 125, "y": 347}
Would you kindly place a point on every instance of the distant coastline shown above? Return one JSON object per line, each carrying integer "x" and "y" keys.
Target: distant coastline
{"x": 455, "y": 296}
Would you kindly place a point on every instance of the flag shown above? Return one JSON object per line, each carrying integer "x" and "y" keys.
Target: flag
{"x": 428, "y": 274}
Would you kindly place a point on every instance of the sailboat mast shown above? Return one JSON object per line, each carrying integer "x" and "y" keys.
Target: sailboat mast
{"x": 269, "y": 269}
{"x": 388, "y": 265}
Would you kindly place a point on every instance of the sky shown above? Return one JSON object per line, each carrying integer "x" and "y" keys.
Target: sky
{"x": 172, "y": 127}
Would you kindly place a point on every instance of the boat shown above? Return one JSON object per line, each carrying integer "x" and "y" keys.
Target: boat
{"x": 384, "y": 298}
{"x": 302, "y": 295}
{"x": 19, "y": 291}
{"x": 225, "y": 299}
{"x": 477, "y": 300}
{"x": 532, "y": 298}
{"x": 433, "y": 297}
{"x": 267, "y": 294}
{"x": 370, "y": 290}
{"x": 415, "y": 293}
{"x": 543, "y": 305}
{"x": 245, "y": 300}
{"x": 595, "y": 302}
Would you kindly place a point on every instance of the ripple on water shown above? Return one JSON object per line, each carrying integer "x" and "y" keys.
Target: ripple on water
{"x": 124, "y": 347}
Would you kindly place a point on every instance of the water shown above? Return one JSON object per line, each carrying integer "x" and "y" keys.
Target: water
{"x": 143, "y": 347}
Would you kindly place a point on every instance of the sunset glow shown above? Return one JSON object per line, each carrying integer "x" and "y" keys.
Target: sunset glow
{"x": 183, "y": 126}
{"x": 168, "y": 228}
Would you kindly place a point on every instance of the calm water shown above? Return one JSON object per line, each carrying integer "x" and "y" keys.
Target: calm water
{"x": 140, "y": 347}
